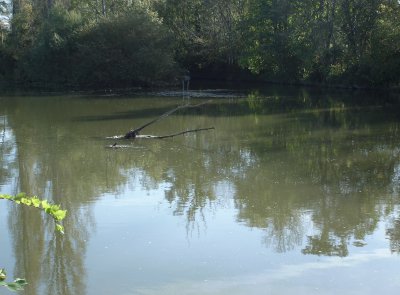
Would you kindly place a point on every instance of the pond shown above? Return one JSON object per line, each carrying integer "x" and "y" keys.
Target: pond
{"x": 294, "y": 191}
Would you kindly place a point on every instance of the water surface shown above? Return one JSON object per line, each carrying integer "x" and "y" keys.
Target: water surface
{"x": 293, "y": 192}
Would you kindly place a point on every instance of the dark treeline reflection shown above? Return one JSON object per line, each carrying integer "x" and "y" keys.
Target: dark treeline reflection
{"x": 319, "y": 178}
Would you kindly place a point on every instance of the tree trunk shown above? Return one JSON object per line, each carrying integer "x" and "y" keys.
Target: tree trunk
{"x": 103, "y": 7}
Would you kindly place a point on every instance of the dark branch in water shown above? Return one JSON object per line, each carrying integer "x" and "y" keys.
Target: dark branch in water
{"x": 114, "y": 145}
{"x": 175, "y": 134}
{"x": 135, "y": 132}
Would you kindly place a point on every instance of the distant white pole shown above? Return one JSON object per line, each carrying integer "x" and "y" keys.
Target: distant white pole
{"x": 185, "y": 80}
{"x": 183, "y": 88}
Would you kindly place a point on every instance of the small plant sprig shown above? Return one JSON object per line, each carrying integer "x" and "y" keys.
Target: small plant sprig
{"x": 16, "y": 285}
{"x": 53, "y": 210}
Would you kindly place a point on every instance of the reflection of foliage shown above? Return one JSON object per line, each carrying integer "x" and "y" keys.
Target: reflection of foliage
{"x": 326, "y": 246}
{"x": 64, "y": 256}
{"x": 394, "y": 235}
{"x": 255, "y": 102}
{"x": 328, "y": 167}
{"x": 60, "y": 254}
{"x": 47, "y": 165}
{"x": 6, "y": 147}
{"x": 312, "y": 176}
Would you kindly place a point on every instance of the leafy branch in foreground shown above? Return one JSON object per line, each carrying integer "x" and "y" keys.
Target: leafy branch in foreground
{"x": 53, "y": 210}
{"x": 16, "y": 285}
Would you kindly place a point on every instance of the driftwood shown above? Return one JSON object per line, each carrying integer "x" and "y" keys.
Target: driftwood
{"x": 135, "y": 132}
{"x": 175, "y": 134}
{"x": 115, "y": 145}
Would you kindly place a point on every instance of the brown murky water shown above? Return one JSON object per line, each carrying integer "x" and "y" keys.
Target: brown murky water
{"x": 291, "y": 193}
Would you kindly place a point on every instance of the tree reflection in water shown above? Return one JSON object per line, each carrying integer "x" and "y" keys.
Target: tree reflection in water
{"x": 334, "y": 166}
{"x": 316, "y": 177}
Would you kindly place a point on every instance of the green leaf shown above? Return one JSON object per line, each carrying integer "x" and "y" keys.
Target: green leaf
{"x": 26, "y": 201}
{"x": 35, "y": 202}
{"x": 6, "y": 197}
{"x": 60, "y": 228}
{"x": 45, "y": 204}
{"x": 19, "y": 196}
{"x": 17, "y": 285}
{"x": 21, "y": 282}
{"x": 2, "y": 274}
{"x": 14, "y": 287}
{"x": 60, "y": 214}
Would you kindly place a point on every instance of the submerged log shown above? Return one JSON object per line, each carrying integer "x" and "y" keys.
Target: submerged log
{"x": 174, "y": 134}
{"x": 135, "y": 132}
{"x": 115, "y": 145}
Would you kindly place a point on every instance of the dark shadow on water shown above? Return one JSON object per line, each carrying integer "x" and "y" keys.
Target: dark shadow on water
{"x": 242, "y": 107}
{"x": 132, "y": 114}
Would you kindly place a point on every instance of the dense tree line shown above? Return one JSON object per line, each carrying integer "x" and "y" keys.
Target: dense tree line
{"x": 122, "y": 43}
{"x": 86, "y": 44}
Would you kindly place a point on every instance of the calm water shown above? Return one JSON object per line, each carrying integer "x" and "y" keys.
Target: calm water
{"x": 292, "y": 193}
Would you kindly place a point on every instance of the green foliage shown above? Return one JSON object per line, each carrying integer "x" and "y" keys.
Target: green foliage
{"x": 49, "y": 60}
{"x": 131, "y": 49}
{"x": 16, "y": 285}
{"x": 338, "y": 41}
{"x": 119, "y": 43}
{"x": 206, "y": 31}
{"x": 268, "y": 31}
{"x": 32, "y": 201}
{"x": 67, "y": 48}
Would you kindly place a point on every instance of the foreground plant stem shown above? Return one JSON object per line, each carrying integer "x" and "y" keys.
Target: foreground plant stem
{"x": 31, "y": 201}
